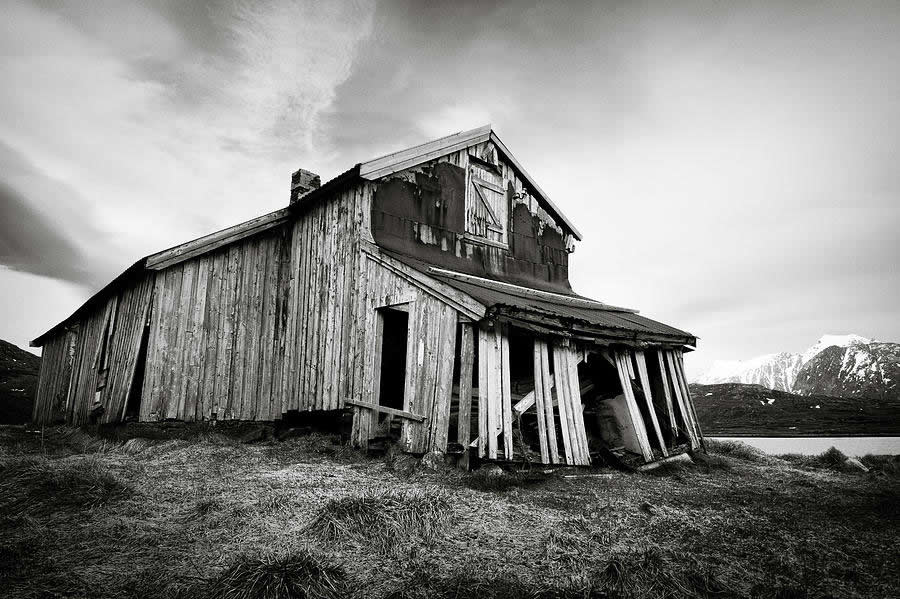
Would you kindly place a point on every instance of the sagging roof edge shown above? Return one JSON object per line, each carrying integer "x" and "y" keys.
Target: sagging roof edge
{"x": 141, "y": 266}
{"x": 564, "y": 324}
{"x": 584, "y": 331}
{"x": 132, "y": 271}
{"x": 410, "y": 157}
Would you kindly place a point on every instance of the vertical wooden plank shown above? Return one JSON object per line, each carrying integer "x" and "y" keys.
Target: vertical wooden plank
{"x": 506, "y": 396}
{"x": 561, "y": 387}
{"x": 547, "y": 382}
{"x": 577, "y": 407}
{"x": 443, "y": 388}
{"x": 182, "y": 334}
{"x": 539, "y": 407}
{"x": 492, "y": 392}
{"x": 464, "y": 418}
{"x": 483, "y": 409}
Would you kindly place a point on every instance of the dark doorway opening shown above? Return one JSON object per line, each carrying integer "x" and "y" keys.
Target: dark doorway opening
{"x": 135, "y": 391}
{"x": 392, "y": 381}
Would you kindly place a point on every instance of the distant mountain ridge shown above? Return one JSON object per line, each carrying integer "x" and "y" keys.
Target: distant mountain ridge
{"x": 837, "y": 365}
{"x": 858, "y": 370}
{"x": 18, "y": 383}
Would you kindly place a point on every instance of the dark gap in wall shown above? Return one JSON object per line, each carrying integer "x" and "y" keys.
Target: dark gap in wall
{"x": 393, "y": 358}
{"x": 133, "y": 403}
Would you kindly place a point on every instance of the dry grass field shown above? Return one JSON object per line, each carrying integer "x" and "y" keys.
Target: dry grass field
{"x": 82, "y": 516}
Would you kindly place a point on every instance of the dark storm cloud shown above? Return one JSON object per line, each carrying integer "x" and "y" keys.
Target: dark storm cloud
{"x": 30, "y": 242}
{"x": 45, "y": 236}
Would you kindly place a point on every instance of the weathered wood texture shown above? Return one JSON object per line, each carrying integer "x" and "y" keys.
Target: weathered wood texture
{"x": 430, "y": 349}
{"x": 216, "y": 334}
{"x": 53, "y": 379}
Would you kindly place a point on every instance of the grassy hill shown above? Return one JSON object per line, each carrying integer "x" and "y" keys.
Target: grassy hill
{"x": 307, "y": 517}
{"x": 737, "y": 409}
{"x": 18, "y": 383}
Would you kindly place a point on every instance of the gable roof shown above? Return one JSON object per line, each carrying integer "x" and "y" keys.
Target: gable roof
{"x": 410, "y": 157}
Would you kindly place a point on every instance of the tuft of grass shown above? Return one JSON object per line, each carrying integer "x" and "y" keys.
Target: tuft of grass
{"x": 489, "y": 482}
{"x": 736, "y": 449}
{"x": 833, "y": 458}
{"x": 382, "y": 519}
{"x": 652, "y": 573}
{"x": 295, "y": 576}
{"x": 708, "y": 462}
{"x": 39, "y": 485}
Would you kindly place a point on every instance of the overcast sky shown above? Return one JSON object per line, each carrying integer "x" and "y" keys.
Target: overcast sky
{"x": 734, "y": 167}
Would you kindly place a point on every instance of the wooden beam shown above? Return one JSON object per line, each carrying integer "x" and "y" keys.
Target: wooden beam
{"x": 437, "y": 289}
{"x": 546, "y": 382}
{"x": 213, "y": 241}
{"x": 385, "y": 410}
{"x": 483, "y": 407}
{"x": 562, "y": 399}
{"x": 648, "y": 398}
{"x": 577, "y": 407}
{"x": 679, "y": 364}
{"x": 637, "y": 421}
{"x": 538, "y": 395}
{"x": 673, "y": 422}
{"x": 682, "y": 407}
{"x": 525, "y": 403}
{"x": 505, "y": 389}
{"x": 464, "y": 418}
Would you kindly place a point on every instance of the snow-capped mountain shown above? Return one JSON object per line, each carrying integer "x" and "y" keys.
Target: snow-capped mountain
{"x": 857, "y": 370}
{"x": 775, "y": 371}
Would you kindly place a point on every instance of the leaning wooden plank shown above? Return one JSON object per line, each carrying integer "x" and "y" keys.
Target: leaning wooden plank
{"x": 679, "y": 364}
{"x": 673, "y": 423}
{"x": 538, "y": 395}
{"x": 524, "y": 404}
{"x": 386, "y": 410}
{"x": 577, "y": 407}
{"x": 561, "y": 387}
{"x": 547, "y": 384}
{"x": 682, "y": 407}
{"x": 503, "y": 332}
{"x": 648, "y": 398}
{"x": 637, "y": 421}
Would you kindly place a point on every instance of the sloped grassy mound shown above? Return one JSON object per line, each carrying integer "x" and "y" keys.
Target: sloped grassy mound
{"x": 382, "y": 519}
{"x": 38, "y": 485}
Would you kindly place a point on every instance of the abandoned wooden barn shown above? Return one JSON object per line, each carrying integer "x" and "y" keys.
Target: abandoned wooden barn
{"x": 425, "y": 291}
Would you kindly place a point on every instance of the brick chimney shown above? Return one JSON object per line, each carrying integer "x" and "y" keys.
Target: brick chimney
{"x": 303, "y": 182}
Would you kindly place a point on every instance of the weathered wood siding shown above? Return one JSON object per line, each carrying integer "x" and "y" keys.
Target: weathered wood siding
{"x": 217, "y": 334}
{"x": 430, "y": 351}
{"x": 53, "y": 379}
{"x": 326, "y": 334}
{"x": 470, "y": 211}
